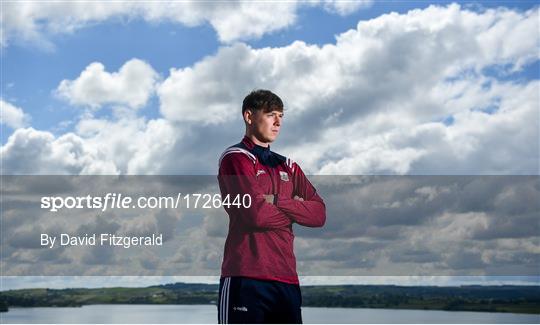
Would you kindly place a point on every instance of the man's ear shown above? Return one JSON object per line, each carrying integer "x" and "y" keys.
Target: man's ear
{"x": 248, "y": 116}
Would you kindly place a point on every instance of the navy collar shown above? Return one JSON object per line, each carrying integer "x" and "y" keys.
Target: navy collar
{"x": 250, "y": 144}
{"x": 264, "y": 154}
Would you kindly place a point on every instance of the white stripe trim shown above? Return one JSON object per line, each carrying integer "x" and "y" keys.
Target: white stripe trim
{"x": 291, "y": 164}
{"x": 224, "y": 301}
{"x": 237, "y": 150}
{"x": 221, "y": 302}
{"x": 227, "y": 301}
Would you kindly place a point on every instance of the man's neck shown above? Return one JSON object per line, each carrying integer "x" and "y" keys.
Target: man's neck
{"x": 257, "y": 141}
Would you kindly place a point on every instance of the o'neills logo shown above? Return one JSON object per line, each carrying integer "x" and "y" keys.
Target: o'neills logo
{"x": 284, "y": 176}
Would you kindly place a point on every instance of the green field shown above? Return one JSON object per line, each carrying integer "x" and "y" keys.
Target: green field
{"x": 506, "y": 298}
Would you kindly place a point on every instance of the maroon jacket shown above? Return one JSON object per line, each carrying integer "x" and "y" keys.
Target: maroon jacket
{"x": 260, "y": 240}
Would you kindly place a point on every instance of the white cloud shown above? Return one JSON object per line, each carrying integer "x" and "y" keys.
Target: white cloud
{"x": 516, "y": 47}
{"x": 205, "y": 93}
{"x": 345, "y": 7}
{"x": 132, "y": 85}
{"x": 13, "y": 116}
{"x": 98, "y": 146}
{"x": 124, "y": 144}
{"x": 245, "y": 20}
{"x": 136, "y": 146}
{"x": 29, "y": 151}
{"x": 232, "y": 20}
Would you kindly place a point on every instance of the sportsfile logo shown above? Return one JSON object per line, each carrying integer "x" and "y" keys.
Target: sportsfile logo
{"x": 121, "y": 201}
{"x": 240, "y": 308}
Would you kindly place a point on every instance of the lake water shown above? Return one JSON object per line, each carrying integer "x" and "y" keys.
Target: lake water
{"x": 185, "y": 314}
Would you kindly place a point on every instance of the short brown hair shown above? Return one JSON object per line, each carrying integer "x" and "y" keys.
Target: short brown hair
{"x": 262, "y": 99}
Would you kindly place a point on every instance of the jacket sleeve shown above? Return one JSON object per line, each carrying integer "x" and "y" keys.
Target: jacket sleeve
{"x": 312, "y": 211}
{"x": 237, "y": 177}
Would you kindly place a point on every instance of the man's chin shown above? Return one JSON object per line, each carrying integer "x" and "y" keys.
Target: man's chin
{"x": 267, "y": 139}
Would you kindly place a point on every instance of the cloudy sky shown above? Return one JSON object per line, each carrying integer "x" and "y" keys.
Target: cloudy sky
{"x": 408, "y": 227}
{"x": 389, "y": 88}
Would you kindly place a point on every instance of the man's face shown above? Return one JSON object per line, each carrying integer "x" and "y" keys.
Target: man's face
{"x": 265, "y": 126}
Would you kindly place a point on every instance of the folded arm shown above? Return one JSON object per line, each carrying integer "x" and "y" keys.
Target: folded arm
{"x": 307, "y": 208}
{"x": 237, "y": 177}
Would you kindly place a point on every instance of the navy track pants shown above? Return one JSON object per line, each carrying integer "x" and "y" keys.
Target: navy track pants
{"x": 245, "y": 300}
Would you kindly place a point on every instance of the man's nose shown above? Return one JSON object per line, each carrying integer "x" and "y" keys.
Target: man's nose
{"x": 277, "y": 121}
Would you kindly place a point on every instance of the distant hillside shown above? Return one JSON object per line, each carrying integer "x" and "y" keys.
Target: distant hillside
{"x": 506, "y": 298}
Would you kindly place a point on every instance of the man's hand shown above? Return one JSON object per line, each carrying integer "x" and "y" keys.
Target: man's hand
{"x": 270, "y": 198}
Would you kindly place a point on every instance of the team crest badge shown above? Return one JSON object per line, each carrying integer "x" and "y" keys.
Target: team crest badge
{"x": 284, "y": 176}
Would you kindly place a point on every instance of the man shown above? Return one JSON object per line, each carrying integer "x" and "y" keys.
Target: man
{"x": 259, "y": 283}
